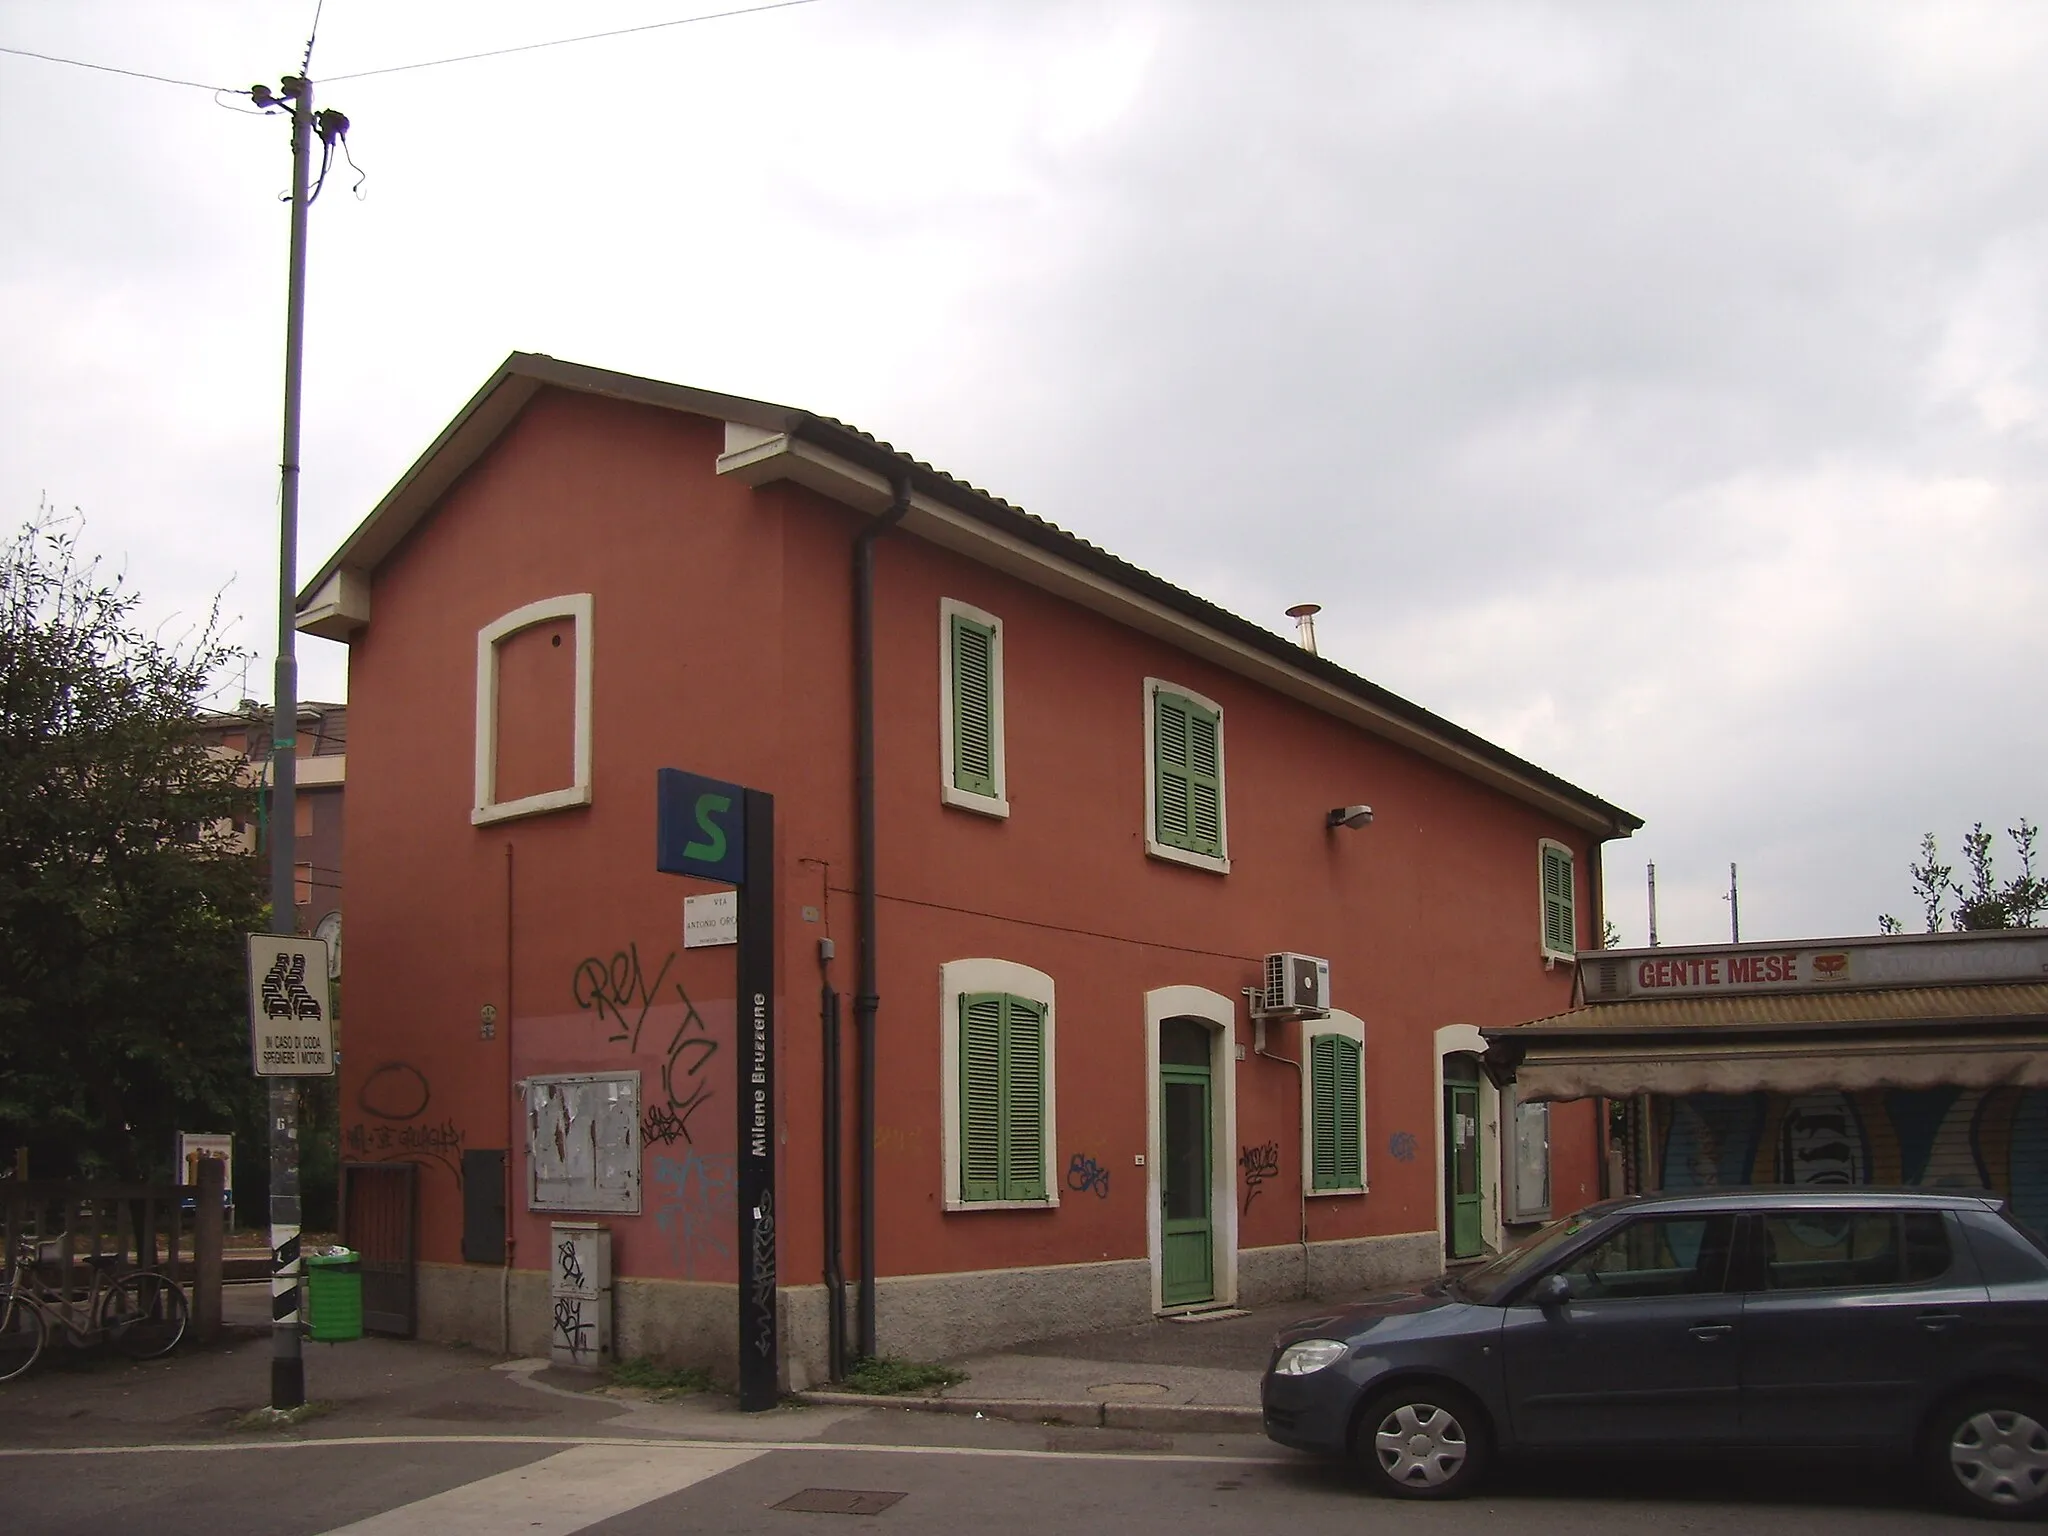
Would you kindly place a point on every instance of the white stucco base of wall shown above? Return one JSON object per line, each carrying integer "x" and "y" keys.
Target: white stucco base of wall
{"x": 681, "y": 1322}
{"x": 1347, "y": 1267}
{"x": 940, "y": 1317}
{"x": 918, "y": 1317}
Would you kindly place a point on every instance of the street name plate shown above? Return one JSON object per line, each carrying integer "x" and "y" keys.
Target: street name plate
{"x": 711, "y": 920}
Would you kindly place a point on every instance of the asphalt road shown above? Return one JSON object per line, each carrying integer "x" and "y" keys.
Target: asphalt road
{"x": 1060, "y": 1481}
{"x": 425, "y": 1438}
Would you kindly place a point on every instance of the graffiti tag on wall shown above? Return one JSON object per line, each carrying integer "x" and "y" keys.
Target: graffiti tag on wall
{"x": 694, "y": 1204}
{"x": 396, "y": 1095}
{"x": 1258, "y": 1164}
{"x": 619, "y": 992}
{"x": 1087, "y": 1176}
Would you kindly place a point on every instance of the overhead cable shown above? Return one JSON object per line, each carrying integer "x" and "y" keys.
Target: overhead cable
{"x": 109, "y": 69}
{"x": 561, "y": 42}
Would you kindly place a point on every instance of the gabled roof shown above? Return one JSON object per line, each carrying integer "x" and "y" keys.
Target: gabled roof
{"x": 767, "y": 442}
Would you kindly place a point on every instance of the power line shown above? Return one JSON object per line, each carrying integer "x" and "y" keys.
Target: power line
{"x": 108, "y": 69}
{"x": 560, "y": 42}
{"x": 460, "y": 58}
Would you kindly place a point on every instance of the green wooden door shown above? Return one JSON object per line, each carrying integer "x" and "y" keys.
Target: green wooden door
{"x": 1187, "y": 1270}
{"x": 1461, "y": 1169}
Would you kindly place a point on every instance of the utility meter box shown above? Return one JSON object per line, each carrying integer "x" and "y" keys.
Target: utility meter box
{"x": 580, "y": 1293}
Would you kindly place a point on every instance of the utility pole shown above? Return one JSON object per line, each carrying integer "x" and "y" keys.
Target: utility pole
{"x": 1653, "y": 906}
{"x": 287, "y": 1365}
{"x": 1734, "y": 910}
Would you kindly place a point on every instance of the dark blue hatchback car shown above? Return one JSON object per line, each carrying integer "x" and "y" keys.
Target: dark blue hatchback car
{"x": 1909, "y": 1322}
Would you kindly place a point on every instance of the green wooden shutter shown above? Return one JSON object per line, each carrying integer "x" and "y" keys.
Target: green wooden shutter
{"x": 1334, "y": 1132}
{"x": 1205, "y": 782}
{"x": 974, "y": 706}
{"x": 1322, "y": 1093}
{"x": 1002, "y": 1097}
{"x": 1023, "y": 1099}
{"x": 1350, "y": 1140}
{"x": 981, "y": 1096}
{"x": 1187, "y": 775}
{"x": 1560, "y": 924}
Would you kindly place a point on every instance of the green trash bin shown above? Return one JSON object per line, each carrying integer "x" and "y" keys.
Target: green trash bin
{"x": 334, "y": 1296}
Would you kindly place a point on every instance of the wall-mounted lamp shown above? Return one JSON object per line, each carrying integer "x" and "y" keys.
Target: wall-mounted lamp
{"x": 1349, "y": 816}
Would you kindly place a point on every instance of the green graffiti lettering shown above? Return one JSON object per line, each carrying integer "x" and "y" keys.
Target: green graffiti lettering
{"x": 713, "y": 848}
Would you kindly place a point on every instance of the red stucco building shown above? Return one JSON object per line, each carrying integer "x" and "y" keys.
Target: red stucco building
{"x": 1099, "y": 803}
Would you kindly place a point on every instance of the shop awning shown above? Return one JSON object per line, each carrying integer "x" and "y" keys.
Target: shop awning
{"x": 1918, "y": 1037}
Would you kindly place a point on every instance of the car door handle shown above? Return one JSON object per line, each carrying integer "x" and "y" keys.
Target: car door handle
{"x": 1711, "y": 1331}
{"x": 1938, "y": 1322}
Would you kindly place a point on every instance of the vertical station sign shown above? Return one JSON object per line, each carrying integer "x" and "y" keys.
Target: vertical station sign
{"x": 713, "y": 830}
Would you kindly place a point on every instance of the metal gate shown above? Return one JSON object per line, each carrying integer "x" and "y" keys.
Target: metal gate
{"x": 378, "y": 1201}
{"x": 1969, "y": 1138}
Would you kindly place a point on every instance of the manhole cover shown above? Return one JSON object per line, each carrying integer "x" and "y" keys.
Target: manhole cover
{"x": 1127, "y": 1391}
{"x": 838, "y": 1501}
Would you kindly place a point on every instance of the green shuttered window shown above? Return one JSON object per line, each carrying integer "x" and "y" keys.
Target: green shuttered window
{"x": 1187, "y": 770}
{"x": 1002, "y": 1097}
{"x": 1560, "y": 921}
{"x": 974, "y": 706}
{"x": 1336, "y": 1084}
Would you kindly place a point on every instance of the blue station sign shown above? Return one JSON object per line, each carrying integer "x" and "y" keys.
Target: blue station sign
{"x": 700, "y": 827}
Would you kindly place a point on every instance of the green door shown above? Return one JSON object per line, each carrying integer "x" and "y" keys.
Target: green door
{"x": 1186, "y": 1248}
{"x": 1461, "y": 1168}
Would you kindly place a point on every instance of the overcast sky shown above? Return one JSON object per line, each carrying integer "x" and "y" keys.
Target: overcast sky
{"x": 1659, "y": 390}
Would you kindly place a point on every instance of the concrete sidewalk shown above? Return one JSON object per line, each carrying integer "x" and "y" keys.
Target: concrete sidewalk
{"x": 1197, "y": 1377}
{"x": 1194, "y": 1375}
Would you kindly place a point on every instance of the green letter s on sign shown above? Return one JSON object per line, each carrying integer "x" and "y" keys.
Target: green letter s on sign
{"x": 712, "y": 846}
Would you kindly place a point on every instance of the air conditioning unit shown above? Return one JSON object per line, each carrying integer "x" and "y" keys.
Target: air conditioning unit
{"x": 1296, "y": 987}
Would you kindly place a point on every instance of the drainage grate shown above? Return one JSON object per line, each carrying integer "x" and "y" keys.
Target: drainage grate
{"x": 838, "y": 1501}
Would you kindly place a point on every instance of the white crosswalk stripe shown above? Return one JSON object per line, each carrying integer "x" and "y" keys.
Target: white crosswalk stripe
{"x": 557, "y": 1494}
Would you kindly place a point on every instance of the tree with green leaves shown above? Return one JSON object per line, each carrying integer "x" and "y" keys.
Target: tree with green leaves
{"x": 125, "y": 886}
{"x": 1981, "y": 900}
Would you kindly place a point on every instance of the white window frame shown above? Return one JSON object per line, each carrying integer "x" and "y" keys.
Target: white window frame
{"x": 629, "y": 1204}
{"x": 957, "y": 978}
{"x": 1352, "y": 1027}
{"x": 1550, "y": 955}
{"x": 997, "y": 804}
{"x": 575, "y": 607}
{"x": 1154, "y": 686}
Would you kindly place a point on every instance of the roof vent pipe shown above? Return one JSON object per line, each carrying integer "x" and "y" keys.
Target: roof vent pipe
{"x": 1304, "y": 616}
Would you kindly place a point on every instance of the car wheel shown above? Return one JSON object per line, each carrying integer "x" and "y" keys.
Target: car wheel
{"x": 1423, "y": 1441}
{"x": 1987, "y": 1452}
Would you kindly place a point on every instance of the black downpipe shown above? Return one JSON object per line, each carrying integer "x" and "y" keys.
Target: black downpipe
{"x": 835, "y": 1276}
{"x": 866, "y": 1002}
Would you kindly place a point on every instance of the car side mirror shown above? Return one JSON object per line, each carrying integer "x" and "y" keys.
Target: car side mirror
{"x": 1552, "y": 1292}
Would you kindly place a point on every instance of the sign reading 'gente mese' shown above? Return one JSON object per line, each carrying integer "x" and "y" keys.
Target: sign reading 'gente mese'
{"x": 1846, "y": 963}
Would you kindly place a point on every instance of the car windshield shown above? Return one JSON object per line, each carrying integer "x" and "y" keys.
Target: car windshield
{"x": 1531, "y": 1253}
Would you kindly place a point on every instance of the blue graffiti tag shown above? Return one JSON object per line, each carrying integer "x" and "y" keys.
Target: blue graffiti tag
{"x": 695, "y": 1207}
{"x": 1402, "y": 1145}
{"x": 1085, "y": 1174}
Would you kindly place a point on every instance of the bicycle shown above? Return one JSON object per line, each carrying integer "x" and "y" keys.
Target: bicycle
{"x": 142, "y": 1314}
